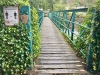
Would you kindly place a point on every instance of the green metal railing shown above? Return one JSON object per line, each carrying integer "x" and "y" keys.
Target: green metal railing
{"x": 41, "y": 16}
{"x": 66, "y": 21}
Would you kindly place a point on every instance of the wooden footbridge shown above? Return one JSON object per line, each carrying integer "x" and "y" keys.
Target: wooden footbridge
{"x": 57, "y": 56}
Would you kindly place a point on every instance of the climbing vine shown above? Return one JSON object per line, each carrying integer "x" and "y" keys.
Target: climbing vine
{"x": 35, "y": 33}
{"x": 14, "y": 41}
{"x": 91, "y": 37}
{"x": 14, "y": 52}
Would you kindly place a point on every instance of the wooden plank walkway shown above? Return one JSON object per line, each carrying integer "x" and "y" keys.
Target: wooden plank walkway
{"x": 57, "y": 57}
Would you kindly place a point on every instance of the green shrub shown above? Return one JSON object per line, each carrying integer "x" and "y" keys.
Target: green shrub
{"x": 92, "y": 36}
{"x": 14, "y": 52}
{"x": 14, "y": 42}
{"x": 35, "y": 33}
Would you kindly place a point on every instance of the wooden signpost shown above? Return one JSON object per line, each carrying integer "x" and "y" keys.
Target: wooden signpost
{"x": 25, "y": 12}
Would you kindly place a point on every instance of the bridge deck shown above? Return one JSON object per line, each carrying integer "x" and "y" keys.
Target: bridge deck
{"x": 57, "y": 56}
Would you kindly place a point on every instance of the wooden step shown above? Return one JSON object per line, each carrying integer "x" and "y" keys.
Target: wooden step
{"x": 56, "y": 48}
{"x": 60, "y": 58}
{"x": 56, "y": 55}
{"x": 54, "y": 45}
{"x": 63, "y": 71}
{"x": 62, "y": 66}
{"x": 62, "y": 50}
{"x": 59, "y": 62}
{"x": 50, "y": 52}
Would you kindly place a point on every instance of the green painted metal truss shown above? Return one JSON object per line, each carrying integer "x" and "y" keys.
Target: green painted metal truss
{"x": 66, "y": 21}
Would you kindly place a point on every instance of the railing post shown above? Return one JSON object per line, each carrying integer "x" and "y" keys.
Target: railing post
{"x": 73, "y": 20}
{"x": 25, "y": 10}
{"x": 99, "y": 65}
{"x": 90, "y": 50}
{"x": 89, "y": 59}
{"x": 54, "y": 18}
{"x": 66, "y": 22}
{"x": 69, "y": 23}
{"x": 41, "y": 16}
{"x": 50, "y": 15}
{"x": 64, "y": 14}
{"x": 58, "y": 20}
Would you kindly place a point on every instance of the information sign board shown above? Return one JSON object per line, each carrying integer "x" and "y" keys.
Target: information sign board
{"x": 11, "y": 15}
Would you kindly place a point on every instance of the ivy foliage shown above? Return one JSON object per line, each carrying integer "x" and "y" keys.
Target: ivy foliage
{"x": 14, "y": 42}
{"x": 35, "y": 33}
{"x": 14, "y": 52}
{"x": 14, "y": 3}
{"x": 91, "y": 37}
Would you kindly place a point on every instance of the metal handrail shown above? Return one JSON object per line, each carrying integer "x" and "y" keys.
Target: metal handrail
{"x": 67, "y": 27}
{"x": 56, "y": 18}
